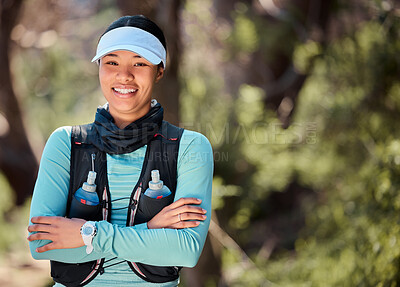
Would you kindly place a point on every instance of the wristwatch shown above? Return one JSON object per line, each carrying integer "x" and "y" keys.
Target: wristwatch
{"x": 88, "y": 231}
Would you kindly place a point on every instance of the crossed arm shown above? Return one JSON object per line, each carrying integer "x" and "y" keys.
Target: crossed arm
{"x": 180, "y": 241}
{"x": 64, "y": 233}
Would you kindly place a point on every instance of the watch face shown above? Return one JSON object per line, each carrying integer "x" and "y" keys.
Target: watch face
{"x": 87, "y": 230}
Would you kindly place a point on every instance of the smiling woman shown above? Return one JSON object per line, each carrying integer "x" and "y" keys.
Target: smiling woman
{"x": 125, "y": 238}
{"x": 127, "y": 82}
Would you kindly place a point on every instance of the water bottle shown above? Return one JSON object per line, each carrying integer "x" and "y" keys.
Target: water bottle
{"x": 87, "y": 193}
{"x": 156, "y": 189}
{"x": 85, "y": 201}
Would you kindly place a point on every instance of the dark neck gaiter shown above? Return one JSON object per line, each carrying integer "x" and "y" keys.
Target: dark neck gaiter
{"x": 114, "y": 140}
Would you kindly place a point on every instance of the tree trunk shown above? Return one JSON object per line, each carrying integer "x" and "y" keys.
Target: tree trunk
{"x": 17, "y": 161}
{"x": 165, "y": 14}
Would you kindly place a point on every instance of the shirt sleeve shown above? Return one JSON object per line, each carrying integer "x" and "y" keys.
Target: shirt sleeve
{"x": 51, "y": 193}
{"x": 168, "y": 247}
{"x": 137, "y": 243}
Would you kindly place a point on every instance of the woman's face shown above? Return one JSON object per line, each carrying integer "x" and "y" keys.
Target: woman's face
{"x": 127, "y": 82}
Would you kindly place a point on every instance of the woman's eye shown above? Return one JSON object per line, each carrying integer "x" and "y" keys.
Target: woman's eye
{"x": 140, "y": 65}
{"x": 112, "y": 63}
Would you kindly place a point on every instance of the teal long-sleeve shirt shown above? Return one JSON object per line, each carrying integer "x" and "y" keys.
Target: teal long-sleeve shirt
{"x": 162, "y": 247}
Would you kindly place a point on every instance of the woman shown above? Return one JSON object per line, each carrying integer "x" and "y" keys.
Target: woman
{"x": 132, "y": 240}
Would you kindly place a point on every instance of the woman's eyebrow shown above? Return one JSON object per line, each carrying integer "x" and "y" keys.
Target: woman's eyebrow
{"x": 111, "y": 55}
{"x": 115, "y": 55}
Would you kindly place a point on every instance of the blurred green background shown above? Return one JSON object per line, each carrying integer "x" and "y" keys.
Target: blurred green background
{"x": 299, "y": 98}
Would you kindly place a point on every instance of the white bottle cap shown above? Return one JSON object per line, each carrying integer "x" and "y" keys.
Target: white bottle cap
{"x": 155, "y": 183}
{"x": 89, "y": 184}
{"x": 91, "y": 177}
{"x": 155, "y": 175}
{"x": 89, "y": 187}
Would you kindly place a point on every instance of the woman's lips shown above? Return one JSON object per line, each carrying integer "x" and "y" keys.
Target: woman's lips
{"x": 124, "y": 93}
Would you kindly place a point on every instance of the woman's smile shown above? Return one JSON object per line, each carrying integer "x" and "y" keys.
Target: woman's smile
{"x": 124, "y": 93}
{"x": 127, "y": 81}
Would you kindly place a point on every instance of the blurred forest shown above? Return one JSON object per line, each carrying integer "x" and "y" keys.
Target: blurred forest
{"x": 299, "y": 98}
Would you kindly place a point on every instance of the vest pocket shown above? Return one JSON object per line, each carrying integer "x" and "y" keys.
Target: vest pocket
{"x": 155, "y": 274}
{"x": 84, "y": 211}
{"x": 149, "y": 207}
{"x": 71, "y": 275}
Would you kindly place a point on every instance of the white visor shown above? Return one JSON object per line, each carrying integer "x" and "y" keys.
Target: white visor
{"x": 132, "y": 39}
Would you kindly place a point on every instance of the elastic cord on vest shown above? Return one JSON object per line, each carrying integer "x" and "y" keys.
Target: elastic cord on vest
{"x": 101, "y": 269}
{"x": 118, "y": 199}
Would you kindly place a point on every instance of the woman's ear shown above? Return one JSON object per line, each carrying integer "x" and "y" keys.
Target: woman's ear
{"x": 160, "y": 73}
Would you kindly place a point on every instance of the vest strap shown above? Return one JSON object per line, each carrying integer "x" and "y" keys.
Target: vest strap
{"x": 162, "y": 154}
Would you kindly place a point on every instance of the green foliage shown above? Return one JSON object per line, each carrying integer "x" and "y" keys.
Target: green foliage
{"x": 351, "y": 236}
{"x": 59, "y": 84}
{"x": 13, "y": 221}
{"x": 343, "y": 144}
{"x": 260, "y": 153}
{"x": 244, "y": 36}
{"x": 304, "y": 55}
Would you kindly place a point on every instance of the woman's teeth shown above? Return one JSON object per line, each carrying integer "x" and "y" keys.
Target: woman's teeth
{"x": 124, "y": 91}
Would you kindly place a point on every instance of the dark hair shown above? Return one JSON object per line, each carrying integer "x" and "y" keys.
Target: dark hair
{"x": 141, "y": 22}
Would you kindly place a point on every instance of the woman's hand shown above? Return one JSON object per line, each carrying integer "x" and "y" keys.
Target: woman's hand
{"x": 181, "y": 214}
{"x": 63, "y": 232}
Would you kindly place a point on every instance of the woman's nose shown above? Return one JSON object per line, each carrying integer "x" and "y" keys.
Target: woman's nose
{"x": 125, "y": 75}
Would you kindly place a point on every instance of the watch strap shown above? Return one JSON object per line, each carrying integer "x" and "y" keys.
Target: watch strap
{"x": 89, "y": 249}
{"x": 87, "y": 239}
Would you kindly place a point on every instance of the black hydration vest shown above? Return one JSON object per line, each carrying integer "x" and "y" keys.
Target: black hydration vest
{"x": 161, "y": 154}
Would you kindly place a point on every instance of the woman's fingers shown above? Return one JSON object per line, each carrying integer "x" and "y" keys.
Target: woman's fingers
{"x": 47, "y": 247}
{"x": 39, "y": 228}
{"x": 189, "y": 209}
{"x": 191, "y": 216}
{"x": 187, "y": 212}
{"x": 185, "y": 224}
{"x": 40, "y": 236}
{"x": 63, "y": 232}
{"x": 183, "y": 213}
{"x": 185, "y": 201}
{"x": 46, "y": 219}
